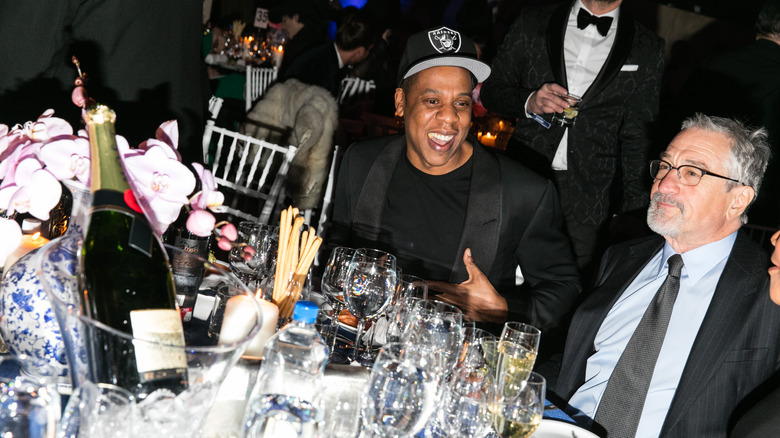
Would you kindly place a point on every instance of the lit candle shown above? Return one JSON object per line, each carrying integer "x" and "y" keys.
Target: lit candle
{"x": 240, "y": 318}
{"x": 488, "y": 139}
{"x": 276, "y": 55}
{"x": 29, "y": 243}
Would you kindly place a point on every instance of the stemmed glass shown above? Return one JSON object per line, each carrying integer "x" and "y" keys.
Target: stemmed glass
{"x": 370, "y": 287}
{"x": 517, "y": 350}
{"x": 401, "y": 391}
{"x": 333, "y": 285}
{"x": 438, "y": 326}
{"x": 248, "y": 266}
{"x": 518, "y": 409}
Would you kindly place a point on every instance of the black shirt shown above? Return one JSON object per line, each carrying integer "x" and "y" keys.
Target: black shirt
{"x": 426, "y": 241}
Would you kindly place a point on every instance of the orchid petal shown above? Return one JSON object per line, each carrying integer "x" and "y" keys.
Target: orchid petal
{"x": 168, "y": 132}
{"x": 155, "y": 175}
{"x": 229, "y": 232}
{"x": 67, "y": 157}
{"x": 224, "y": 244}
{"x": 12, "y": 237}
{"x": 38, "y": 196}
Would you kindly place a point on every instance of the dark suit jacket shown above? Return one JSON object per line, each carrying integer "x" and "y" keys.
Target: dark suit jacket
{"x": 513, "y": 219}
{"x": 318, "y": 66}
{"x": 737, "y": 347}
{"x": 611, "y": 135}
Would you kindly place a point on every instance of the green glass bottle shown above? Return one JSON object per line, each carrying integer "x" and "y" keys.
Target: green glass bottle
{"x": 126, "y": 280}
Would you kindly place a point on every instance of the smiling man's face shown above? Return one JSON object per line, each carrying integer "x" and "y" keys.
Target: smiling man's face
{"x": 437, "y": 115}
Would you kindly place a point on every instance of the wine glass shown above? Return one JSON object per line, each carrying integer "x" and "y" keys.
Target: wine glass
{"x": 333, "y": 285}
{"x": 412, "y": 286}
{"x": 518, "y": 409}
{"x": 517, "y": 350}
{"x": 401, "y": 391}
{"x": 438, "y": 326}
{"x": 248, "y": 266}
{"x": 369, "y": 288}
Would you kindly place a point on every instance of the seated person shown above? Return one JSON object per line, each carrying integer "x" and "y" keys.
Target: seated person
{"x": 763, "y": 419}
{"x": 680, "y": 327}
{"x": 326, "y": 64}
{"x": 449, "y": 209}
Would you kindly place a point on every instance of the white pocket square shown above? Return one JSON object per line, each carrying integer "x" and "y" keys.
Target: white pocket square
{"x": 629, "y": 67}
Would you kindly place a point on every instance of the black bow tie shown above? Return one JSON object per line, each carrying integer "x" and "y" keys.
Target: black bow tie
{"x": 585, "y": 18}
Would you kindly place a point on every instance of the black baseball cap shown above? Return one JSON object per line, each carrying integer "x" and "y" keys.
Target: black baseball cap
{"x": 438, "y": 48}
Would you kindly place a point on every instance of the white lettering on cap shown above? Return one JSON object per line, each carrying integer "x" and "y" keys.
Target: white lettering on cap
{"x": 444, "y": 40}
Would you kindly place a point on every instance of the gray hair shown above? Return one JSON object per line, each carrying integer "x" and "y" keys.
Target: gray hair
{"x": 750, "y": 151}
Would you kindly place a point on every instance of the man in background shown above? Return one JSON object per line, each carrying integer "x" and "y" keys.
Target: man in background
{"x": 593, "y": 49}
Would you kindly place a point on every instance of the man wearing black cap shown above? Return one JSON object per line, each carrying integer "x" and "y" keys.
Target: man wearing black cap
{"x": 451, "y": 211}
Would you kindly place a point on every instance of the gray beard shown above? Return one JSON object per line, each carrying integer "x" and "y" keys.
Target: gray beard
{"x": 667, "y": 227}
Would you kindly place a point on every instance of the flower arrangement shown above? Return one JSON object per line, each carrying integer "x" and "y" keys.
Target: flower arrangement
{"x": 36, "y": 156}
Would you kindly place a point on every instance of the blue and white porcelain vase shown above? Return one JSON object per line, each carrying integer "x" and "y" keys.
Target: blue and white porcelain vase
{"x": 28, "y": 324}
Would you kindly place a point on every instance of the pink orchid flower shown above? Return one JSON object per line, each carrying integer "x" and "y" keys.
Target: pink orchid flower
{"x": 67, "y": 158}
{"x": 161, "y": 185}
{"x": 36, "y": 191}
{"x": 208, "y": 197}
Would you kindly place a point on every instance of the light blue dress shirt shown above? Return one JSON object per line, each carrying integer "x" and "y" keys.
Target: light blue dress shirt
{"x": 702, "y": 269}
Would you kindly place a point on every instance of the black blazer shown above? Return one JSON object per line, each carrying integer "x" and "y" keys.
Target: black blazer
{"x": 513, "y": 219}
{"x": 318, "y": 65}
{"x": 737, "y": 347}
{"x": 612, "y": 129}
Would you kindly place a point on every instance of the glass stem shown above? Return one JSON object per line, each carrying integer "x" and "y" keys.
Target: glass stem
{"x": 355, "y": 355}
{"x": 334, "y": 325}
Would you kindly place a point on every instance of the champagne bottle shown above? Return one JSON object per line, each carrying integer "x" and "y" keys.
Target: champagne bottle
{"x": 126, "y": 282}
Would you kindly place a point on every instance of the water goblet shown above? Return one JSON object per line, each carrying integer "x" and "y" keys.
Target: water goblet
{"x": 401, "y": 391}
{"x": 438, "y": 326}
{"x": 369, "y": 289}
{"x": 333, "y": 286}
{"x": 518, "y": 412}
{"x": 249, "y": 265}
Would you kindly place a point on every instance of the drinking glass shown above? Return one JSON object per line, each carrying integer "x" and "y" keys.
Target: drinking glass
{"x": 260, "y": 237}
{"x": 438, "y": 326}
{"x": 29, "y": 402}
{"x": 370, "y": 288}
{"x": 569, "y": 115}
{"x": 412, "y": 286}
{"x": 401, "y": 318}
{"x": 517, "y": 350}
{"x": 333, "y": 286}
{"x": 401, "y": 391}
{"x": 98, "y": 411}
{"x": 517, "y": 413}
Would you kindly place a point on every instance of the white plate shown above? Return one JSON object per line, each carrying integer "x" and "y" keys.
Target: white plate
{"x": 561, "y": 429}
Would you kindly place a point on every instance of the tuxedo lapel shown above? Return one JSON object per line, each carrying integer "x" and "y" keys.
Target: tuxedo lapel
{"x": 483, "y": 215}
{"x": 624, "y": 39}
{"x": 742, "y": 278}
{"x": 368, "y": 210}
{"x": 555, "y": 34}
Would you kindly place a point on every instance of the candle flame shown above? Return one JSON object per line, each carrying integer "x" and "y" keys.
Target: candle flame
{"x": 259, "y": 294}
{"x": 36, "y": 235}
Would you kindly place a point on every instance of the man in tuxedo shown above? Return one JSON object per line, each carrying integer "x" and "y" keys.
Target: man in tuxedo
{"x": 593, "y": 49}
{"x": 449, "y": 209}
{"x": 680, "y": 327}
{"x": 326, "y": 65}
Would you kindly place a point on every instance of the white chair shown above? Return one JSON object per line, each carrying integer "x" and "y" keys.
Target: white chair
{"x": 353, "y": 88}
{"x": 257, "y": 81}
{"x": 215, "y": 104}
{"x": 244, "y": 164}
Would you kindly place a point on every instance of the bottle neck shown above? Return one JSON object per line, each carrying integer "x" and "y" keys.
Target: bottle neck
{"x": 107, "y": 170}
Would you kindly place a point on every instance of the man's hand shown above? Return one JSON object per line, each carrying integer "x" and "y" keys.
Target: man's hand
{"x": 476, "y": 297}
{"x": 548, "y": 99}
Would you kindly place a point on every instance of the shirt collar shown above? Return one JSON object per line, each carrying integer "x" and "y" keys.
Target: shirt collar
{"x": 338, "y": 56}
{"x": 614, "y": 13}
{"x": 699, "y": 261}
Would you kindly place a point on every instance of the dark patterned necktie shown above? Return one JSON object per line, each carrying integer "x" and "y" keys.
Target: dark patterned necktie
{"x": 621, "y": 405}
{"x": 585, "y": 18}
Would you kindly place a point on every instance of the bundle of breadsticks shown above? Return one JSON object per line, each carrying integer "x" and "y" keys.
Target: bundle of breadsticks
{"x": 295, "y": 256}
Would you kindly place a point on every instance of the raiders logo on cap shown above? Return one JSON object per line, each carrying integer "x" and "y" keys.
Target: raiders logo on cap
{"x": 444, "y": 40}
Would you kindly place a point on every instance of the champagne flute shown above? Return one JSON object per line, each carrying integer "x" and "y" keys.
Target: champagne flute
{"x": 517, "y": 413}
{"x": 333, "y": 286}
{"x": 370, "y": 287}
{"x": 517, "y": 350}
